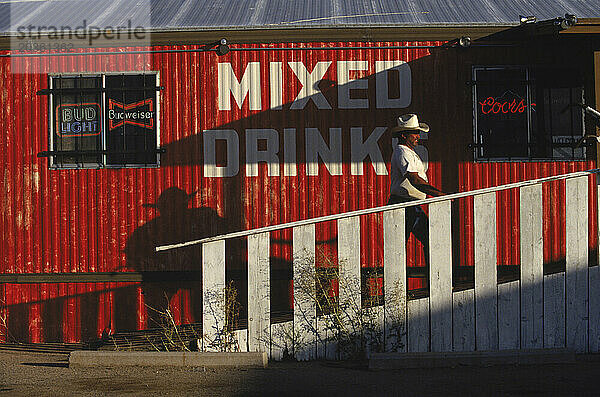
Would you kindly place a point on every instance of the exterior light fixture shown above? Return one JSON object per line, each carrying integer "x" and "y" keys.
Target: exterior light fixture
{"x": 222, "y": 47}
{"x": 568, "y": 21}
{"x": 527, "y": 19}
{"x": 464, "y": 41}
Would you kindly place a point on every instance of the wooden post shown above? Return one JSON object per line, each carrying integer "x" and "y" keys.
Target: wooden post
{"x": 349, "y": 274}
{"x": 508, "y": 316}
{"x": 394, "y": 279}
{"x": 213, "y": 295}
{"x": 486, "y": 284}
{"x": 305, "y": 312}
{"x": 594, "y": 272}
{"x": 594, "y": 309}
{"x": 440, "y": 276}
{"x": 532, "y": 268}
{"x": 463, "y": 317}
{"x": 576, "y": 236}
{"x": 554, "y": 310}
{"x": 418, "y": 325}
{"x": 259, "y": 317}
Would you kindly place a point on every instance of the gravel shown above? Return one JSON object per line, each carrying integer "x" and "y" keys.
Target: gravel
{"x": 44, "y": 374}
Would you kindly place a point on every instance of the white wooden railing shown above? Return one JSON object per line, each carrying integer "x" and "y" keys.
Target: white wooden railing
{"x": 536, "y": 311}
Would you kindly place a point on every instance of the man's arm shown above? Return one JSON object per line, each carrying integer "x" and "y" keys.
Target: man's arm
{"x": 422, "y": 185}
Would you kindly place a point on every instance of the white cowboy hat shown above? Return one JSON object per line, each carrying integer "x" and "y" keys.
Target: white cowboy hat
{"x": 410, "y": 122}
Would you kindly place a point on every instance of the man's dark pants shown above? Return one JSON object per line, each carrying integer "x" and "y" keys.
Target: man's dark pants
{"x": 416, "y": 222}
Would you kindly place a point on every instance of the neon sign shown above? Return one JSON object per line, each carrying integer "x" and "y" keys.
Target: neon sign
{"x": 78, "y": 119}
{"x": 140, "y": 113}
{"x": 492, "y": 106}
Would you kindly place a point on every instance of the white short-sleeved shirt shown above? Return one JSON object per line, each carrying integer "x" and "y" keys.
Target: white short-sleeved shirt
{"x": 406, "y": 160}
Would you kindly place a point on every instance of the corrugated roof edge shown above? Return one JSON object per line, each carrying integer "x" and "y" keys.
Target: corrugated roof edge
{"x": 291, "y": 26}
{"x": 279, "y": 34}
{"x": 338, "y": 33}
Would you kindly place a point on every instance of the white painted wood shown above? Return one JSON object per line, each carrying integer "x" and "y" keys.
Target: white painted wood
{"x": 241, "y": 336}
{"x": 394, "y": 280}
{"x": 259, "y": 304}
{"x": 373, "y": 332}
{"x": 508, "y": 316}
{"x": 532, "y": 268}
{"x": 321, "y": 338}
{"x": 418, "y": 325}
{"x": 576, "y": 238}
{"x": 486, "y": 288}
{"x": 594, "y": 324}
{"x": 554, "y": 310}
{"x": 373, "y": 210}
{"x": 440, "y": 276}
{"x": 282, "y": 340}
{"x": 327, "y": 337}
{"x": 213, "y": 295}
{"x": 349, "y": 260}
{"x": 594, "y": 289}
{"x": 463, "y": 318}
{"x": 305, "y": 312}
{"x": 349, "y": 275}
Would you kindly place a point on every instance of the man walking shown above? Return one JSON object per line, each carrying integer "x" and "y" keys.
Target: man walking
{"x": 409, "y": 180}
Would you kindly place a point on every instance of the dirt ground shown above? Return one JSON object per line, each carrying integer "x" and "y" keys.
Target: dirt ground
{"x": 42, "y": 374}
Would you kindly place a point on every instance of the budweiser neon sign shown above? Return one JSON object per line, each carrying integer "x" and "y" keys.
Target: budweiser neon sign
{"x": 139, "y": 113}
{"x": 493, "y": 106}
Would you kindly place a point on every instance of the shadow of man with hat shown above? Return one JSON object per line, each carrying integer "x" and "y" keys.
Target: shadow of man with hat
{"x": 176, "y": 223}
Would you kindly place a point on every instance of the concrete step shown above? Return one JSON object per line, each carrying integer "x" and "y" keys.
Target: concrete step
{"x": 88, "y": 358}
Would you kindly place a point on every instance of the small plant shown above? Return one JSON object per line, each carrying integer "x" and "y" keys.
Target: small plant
{"x": 170, "y": 336}
{"x": 4, "y": 334}
{"x": 351, "y": 324}
{"x": 225, "y": 309}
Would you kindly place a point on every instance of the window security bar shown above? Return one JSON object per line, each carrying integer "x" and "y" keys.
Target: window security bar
{"x": 574, "y": 144}
{"x": 49, "y": 91}
{"x": 50, "y": 153}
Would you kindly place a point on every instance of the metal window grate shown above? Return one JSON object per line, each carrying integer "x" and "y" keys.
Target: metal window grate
{"x": 103, "y": 120}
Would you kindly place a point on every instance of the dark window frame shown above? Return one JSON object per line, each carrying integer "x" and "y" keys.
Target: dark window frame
{"x": 535, "y": 133}
{"x": 103, "y": 150}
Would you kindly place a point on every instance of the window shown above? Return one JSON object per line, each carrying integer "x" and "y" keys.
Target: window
{"x": 526, "y": 113}
{"x": 103, "y": 120}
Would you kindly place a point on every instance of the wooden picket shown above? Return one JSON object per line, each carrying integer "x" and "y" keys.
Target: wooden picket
{"x": 532, "y": 268}
{"x": 508, "y": 316}
{"x": 486, "y": 285}
{"x": 576, "y": 231}
{"x": 463, "y": 317}
{"x": 394, "y": 281}
{"x": 213, "y": 293}
{"x": 560, "y": 310}
{"x": 440, "y": 276}
{"x": 305, "y": 309}
{"x": 554, "y": 310}
{"x": 259, "y": 318}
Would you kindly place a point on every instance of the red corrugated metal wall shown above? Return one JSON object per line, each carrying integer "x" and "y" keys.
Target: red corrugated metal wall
{"x": 98, "y": 220}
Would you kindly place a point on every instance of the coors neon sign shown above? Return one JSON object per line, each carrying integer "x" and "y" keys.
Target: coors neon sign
{"x": 491, "y": 105}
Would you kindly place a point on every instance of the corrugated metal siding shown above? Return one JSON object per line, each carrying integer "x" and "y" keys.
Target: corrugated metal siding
{"x": 87, "y": 220}
{"x": 482, "y": 175}
{"x": 180, "y": 14}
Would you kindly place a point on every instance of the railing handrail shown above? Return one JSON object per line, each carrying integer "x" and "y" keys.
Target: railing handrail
{"x": 245, "y": 233}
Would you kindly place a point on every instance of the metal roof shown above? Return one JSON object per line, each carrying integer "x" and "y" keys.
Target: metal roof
{"x": 259, "y": 14}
